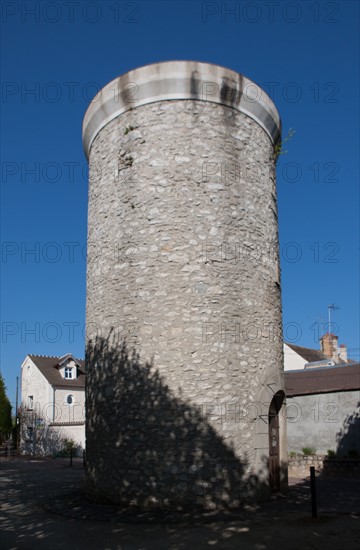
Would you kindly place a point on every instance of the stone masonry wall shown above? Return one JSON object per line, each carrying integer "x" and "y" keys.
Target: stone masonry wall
{"x": 183, "y": 265}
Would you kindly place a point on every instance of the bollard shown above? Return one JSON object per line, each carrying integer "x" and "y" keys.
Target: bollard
{"x": 313, "y": 492}
{"x": 71, "y": 455}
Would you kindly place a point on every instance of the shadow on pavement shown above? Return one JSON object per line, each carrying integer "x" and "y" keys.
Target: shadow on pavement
{"x": 42, "y": 507}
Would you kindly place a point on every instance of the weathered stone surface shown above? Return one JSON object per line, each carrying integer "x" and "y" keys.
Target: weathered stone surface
{"x": 182, "y": 265}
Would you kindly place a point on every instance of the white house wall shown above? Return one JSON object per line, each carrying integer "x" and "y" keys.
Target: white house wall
{"x": 69, "y": 413}
{"x": 292, "y": 360}
{"x": 35, "y": 384}
{"x": 76, "y": 433}
{"x": 54, "y": 414}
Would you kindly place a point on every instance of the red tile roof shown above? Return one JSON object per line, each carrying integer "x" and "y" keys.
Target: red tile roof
{"x": 323, "y": 380}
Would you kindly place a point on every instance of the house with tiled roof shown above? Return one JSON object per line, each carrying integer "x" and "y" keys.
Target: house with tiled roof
{"x": 52, "y": 403}
{"x": 329, "y": 354}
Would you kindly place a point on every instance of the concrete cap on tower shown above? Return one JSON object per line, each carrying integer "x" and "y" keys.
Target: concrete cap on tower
{"x": 179, "y": 80}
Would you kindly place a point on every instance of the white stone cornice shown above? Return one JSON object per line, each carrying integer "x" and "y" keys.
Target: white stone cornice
{"x": 180, "y": 80}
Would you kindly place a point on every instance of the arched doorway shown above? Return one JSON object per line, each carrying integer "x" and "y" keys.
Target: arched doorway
{"x": 274, "y": 440}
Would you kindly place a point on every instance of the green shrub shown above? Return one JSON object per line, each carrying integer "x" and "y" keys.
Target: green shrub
{"x": 292, "y": 454}
{"x": 331, "y": 453}
{"x": 308, "y": 451}
{"x": 67, "y": 445}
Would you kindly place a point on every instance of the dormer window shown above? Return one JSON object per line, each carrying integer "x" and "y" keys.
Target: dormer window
{"x": 68, "y": 369}
{"x": 69, "y": 372}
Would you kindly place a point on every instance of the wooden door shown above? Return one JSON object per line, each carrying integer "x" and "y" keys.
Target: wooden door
{"x": 274, "y": 449}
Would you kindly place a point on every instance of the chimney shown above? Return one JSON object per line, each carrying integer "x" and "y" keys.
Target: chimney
{"x": 343, "y": 353}
{"x": 329, "y": 346}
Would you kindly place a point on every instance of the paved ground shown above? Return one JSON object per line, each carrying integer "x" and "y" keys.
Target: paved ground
{"x": 42, "y": 508}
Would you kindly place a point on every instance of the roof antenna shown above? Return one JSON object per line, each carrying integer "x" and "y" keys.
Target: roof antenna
{"x": 331, "y": 307}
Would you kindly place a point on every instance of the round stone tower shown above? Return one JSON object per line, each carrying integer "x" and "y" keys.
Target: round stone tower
{"x": 184, "y": 342}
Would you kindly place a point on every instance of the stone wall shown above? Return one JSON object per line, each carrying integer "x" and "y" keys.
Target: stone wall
{"x": 300, "y": 465}
{"x": 326, "y": 421}
{"x": 183, "y": 267}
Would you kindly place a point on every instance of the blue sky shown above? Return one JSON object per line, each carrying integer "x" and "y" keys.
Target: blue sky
{"x": 56, "y": 55}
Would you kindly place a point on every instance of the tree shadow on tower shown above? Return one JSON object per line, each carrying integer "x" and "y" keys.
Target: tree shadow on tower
{"x": 148, "y": 447}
